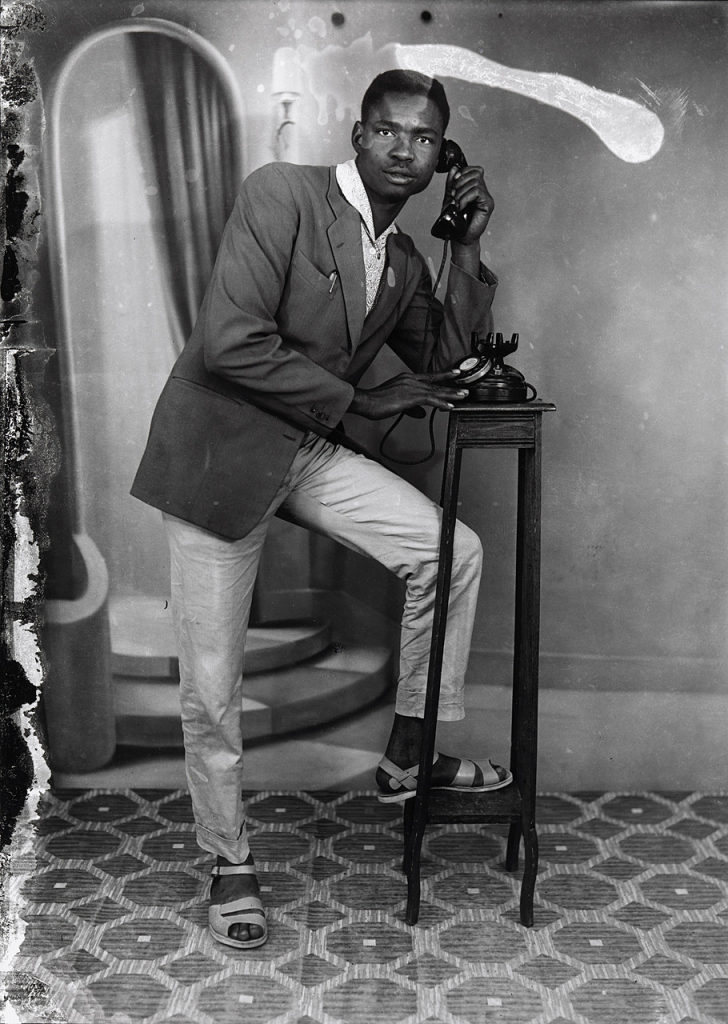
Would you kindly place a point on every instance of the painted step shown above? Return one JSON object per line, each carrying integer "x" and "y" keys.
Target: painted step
{"x": 312, "y": 693}
{"x": 143, "y": 645}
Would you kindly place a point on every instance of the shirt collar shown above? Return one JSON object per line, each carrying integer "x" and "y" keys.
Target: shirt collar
{"x": 352, "y": 188}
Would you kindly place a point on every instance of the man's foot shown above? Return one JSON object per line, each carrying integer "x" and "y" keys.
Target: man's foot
{"x": 230, "y": 888}
{"x": 444, "y": 771}
{"x": 403, "y": 752}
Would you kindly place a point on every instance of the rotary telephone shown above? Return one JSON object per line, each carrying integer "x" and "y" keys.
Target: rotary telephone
{"x": 487, "y": 379}
{"x": 484, "y": 374}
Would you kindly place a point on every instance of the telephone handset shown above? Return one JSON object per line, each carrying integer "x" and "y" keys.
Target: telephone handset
{"x": 452, "y": 222}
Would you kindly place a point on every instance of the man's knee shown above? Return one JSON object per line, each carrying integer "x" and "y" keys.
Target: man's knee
{"x": 467, "y": 551}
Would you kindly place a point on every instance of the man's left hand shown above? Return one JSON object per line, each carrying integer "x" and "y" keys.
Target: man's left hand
{"x": 466, "y": 188}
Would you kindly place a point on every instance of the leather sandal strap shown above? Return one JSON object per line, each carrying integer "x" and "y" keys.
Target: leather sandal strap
{"x": 233, "y": 869}
{"x": 400, "y": 777}
{"x": 406, "y": 777}
{"x": 244, "y": 905}
{"x": 490, "y": 775}
{"x": 465, "y": 775}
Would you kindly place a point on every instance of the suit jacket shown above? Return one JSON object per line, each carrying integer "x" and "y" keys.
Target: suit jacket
{"x": 277, "y": 348}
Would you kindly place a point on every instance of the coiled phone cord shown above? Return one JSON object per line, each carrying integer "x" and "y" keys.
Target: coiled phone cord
{"x": 431, "y": 424}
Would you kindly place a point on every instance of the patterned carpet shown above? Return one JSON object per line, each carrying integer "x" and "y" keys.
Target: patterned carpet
{"x": 631, "y": 917}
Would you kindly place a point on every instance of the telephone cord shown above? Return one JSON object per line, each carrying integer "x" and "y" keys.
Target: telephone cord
{"x": 431, "y": 424}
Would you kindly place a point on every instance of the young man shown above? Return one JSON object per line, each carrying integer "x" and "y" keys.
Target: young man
{"x": 311, "y": 280}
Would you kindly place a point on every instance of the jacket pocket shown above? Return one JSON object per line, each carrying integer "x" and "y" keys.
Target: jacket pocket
{"x": 213, "y": 461}
{"x": 206, "y": 392}
{"x": 305, "y": 269}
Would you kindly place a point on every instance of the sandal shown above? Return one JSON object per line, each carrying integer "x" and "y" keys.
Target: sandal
{"x": 247, "y": 910}
{"x": 403, "y": 781}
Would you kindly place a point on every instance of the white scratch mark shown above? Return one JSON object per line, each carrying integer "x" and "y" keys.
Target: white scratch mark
{"x": 650, "y": 93}
{"x": 673, "y": 105}
{"x": 629, "y": 130}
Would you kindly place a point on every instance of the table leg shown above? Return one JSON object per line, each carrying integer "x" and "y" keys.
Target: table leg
{"x": 450, "y": 487}
{"x": 525, "y": 664}
{"x": 514, "y": 843}
{"x": 408, "y": 821}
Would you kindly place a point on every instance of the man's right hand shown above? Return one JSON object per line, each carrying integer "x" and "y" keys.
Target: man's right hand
{"x": 407, "y": 391}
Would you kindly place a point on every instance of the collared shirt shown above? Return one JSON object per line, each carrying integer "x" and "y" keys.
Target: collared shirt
{"x": 373, "y": 249}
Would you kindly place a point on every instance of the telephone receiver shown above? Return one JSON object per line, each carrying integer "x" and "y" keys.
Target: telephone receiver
{"x": 452, "y": 222}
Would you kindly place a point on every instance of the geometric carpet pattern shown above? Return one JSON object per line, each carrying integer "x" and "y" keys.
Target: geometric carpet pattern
{"x": 631, "y": 916}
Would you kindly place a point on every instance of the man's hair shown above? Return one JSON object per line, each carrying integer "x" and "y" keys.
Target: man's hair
{"x": 408, "y": 83}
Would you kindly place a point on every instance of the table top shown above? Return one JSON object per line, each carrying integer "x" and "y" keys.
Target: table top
{"x": 509, "y": 408}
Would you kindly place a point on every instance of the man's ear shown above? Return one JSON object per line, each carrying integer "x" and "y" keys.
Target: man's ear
{"x": 356, "y": 133}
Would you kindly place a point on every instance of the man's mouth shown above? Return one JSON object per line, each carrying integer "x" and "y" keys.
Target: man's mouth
{"x": 399, "y": 177}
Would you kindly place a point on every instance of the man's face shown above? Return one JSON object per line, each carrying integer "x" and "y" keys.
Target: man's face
{"x": 398, "y": 146}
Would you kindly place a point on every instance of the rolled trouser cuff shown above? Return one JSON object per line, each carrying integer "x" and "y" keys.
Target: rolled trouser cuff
{"x": 414, "y": 707}
{"x": 234, "y": 850}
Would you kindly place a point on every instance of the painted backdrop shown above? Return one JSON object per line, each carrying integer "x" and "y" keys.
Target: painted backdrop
{"x": 602, "y": 131}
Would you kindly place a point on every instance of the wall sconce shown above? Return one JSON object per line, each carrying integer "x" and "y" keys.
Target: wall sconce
{"x": 286, "y": 91}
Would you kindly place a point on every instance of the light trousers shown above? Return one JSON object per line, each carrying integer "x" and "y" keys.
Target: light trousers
{"x": 369, "y": 509}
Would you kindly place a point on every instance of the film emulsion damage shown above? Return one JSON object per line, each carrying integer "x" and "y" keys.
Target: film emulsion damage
{"x": 28, "y": 447}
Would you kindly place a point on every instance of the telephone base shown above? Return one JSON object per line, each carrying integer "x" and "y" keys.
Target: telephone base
{"x": 501, "y": 391}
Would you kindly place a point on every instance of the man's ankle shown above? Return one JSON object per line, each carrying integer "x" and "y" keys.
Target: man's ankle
{"x": 405, "y": 741}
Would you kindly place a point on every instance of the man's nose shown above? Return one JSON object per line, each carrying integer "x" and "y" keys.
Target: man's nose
{"x": 402, "y": 149}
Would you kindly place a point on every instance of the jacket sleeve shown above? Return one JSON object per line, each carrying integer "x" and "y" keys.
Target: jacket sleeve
{"x": 241, "y": 340}
{"x": 467, "y": 308}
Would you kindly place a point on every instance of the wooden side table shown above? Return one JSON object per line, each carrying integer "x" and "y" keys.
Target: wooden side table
{"x": 493, "y": 425}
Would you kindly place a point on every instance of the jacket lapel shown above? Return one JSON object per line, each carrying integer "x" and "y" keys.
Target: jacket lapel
{"x": 345, "y": 239}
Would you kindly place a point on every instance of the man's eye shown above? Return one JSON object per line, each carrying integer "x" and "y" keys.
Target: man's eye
{"x": 385, "y": 131}
{"x": 424, "y": 139}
